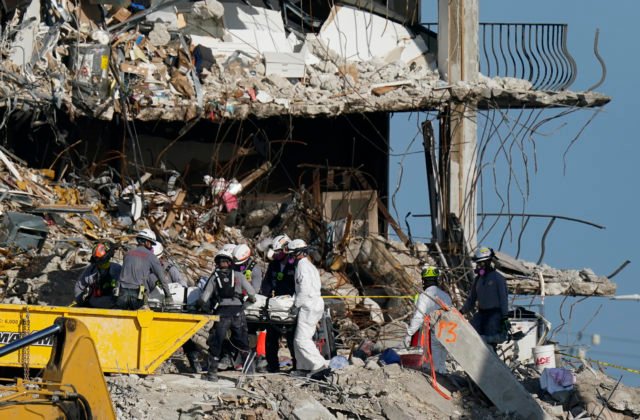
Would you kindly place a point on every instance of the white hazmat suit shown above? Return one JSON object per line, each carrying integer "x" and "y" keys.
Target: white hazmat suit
{"x": 426, "y": 306}
{"x": 310, "y": 308}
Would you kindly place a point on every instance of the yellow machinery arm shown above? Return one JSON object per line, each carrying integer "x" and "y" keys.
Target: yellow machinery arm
{"x": 72, "y": 386}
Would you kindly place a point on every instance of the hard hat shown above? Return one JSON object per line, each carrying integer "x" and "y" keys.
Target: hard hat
{"x": 146, "y": 235}
{"x": 229, "y": 248}
{"x": 429, "y": 271}
{"x": 241, "y": 253}
{"x": 280, "y": 242}
{"x": 157, "y": 249}
{"x": 296, "y": 246}
{"x": 101, "y": 252}
{"x": 222, "y": 253}
{"x": 483, "y": 254}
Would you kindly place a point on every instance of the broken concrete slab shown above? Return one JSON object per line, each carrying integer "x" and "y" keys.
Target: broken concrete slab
{"x": 309, "y": 408}
{"x": 490, "y": 373}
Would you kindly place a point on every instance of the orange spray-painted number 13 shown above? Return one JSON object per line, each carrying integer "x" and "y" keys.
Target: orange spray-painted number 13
{"x": 450, "y": 328}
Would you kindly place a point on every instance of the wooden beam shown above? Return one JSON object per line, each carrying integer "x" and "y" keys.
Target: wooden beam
{"x": 171, "y": 217}
{"x": 392, "y": 222}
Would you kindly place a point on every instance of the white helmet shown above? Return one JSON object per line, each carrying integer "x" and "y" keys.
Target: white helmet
{"x": 483, "y": 253}
{"x": 280, "y": 242}
{"x": 241, "y": 253}
{"x": 296, "y": 246}
{"x": 157, "y": 249}
{"x": 146, "y": 235}
{"x": 229, "y": 248}
{"x": 222, "y": 253}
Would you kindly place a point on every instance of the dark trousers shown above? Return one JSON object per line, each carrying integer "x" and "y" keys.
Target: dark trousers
{"x": 128, "y": 299}
{"x": 488, "y": 323}
{"x": 230, "y": 319}
{"x": 274, "y": 333}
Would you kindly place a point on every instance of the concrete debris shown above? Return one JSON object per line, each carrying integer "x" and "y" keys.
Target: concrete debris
{"x": 157, "y": 61}
{"x": 524, "y": 277}
{"x": 352, "y": 392}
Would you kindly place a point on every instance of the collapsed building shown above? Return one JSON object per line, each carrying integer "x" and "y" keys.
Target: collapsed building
{"x": 225, "y": 121}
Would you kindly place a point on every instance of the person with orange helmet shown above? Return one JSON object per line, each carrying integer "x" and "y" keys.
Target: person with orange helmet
{"x": 94, "y": 287}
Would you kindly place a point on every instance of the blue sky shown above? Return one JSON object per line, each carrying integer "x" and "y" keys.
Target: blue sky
{"x": 598, "y": 183}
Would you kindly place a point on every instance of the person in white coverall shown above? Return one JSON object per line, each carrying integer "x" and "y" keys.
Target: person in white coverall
{"x": 310, "y": 307}
{"x": 426, "y": 305}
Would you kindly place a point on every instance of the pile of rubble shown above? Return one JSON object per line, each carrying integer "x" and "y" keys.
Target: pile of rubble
{"x": 359, "y": 390}
{"x": 49, "y": 227}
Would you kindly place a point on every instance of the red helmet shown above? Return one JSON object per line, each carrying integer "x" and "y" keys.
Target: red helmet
{"x": 101, "y": 252}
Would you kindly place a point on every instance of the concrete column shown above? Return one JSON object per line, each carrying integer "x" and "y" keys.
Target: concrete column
{"x": 458, "y": 61}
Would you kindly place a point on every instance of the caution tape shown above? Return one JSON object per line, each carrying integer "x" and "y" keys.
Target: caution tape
{"x": 603, "y": 363}
{"x": 371, "y": 297}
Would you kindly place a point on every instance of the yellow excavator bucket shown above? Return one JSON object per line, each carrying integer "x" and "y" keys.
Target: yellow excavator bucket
{"x": 126, "y": 341}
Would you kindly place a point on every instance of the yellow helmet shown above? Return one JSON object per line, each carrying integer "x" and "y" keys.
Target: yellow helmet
{"x": 429, "y": 271}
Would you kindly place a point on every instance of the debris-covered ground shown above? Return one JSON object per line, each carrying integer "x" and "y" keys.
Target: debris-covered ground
{"x": 361, "y": 390}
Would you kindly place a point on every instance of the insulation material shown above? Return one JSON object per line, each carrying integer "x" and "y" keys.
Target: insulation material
{"x": 358, "y": 35}
{"x": 259, "y": 29}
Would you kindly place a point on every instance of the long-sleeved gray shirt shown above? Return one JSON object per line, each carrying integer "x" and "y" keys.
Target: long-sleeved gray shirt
{"x": 240, "y": 284}
{"x": 490, "y": 291}
{"x": 137, "y": 266}
{"x": 253, "y": 275}
{"x": 173, "y": 273}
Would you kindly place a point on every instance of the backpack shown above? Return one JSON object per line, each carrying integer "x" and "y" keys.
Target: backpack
{"x": 225, "y": 284}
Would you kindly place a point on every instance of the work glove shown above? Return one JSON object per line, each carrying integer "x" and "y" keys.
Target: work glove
{"x": 251, "y": 299}
{"x": 293, "y": 311}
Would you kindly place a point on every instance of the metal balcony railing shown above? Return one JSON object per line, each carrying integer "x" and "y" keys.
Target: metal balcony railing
{"x": 536, "y": 52}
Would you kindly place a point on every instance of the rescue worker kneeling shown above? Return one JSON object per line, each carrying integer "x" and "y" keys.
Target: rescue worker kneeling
{"x": 223, "y": 296}
{"x": 136, "y": 280}
{"x": 94, "y": 288}
{"x": 426, "y": 304}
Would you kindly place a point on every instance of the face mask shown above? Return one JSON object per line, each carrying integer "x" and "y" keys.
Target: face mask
{"x": 291, "y": 259}
{"x": 481, "y": 271}
{"x": 279, "y": 256}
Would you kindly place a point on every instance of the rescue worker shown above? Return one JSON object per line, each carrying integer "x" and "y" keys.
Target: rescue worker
{"x": 223, "y": 295}
{"x": 173, "y": 273}
{"x": 279, "y": 280}
{"x": 426, "y": 304}
{"x": 489, "y": 290}
{"x": 94, "y": 287}
{"x": 135, "y": 280}
{"x": 245, "y": 264}
{"x": 310, "y": 307}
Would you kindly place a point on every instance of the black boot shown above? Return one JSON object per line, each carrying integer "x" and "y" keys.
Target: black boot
{"x": 196, "y": 367}
{"x": 212, "y": 374}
